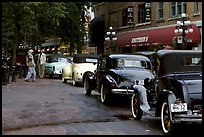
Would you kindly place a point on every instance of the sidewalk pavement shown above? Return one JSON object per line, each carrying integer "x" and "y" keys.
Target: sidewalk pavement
{"x": 117, "y": 127}
{"x": 127, "y": 127}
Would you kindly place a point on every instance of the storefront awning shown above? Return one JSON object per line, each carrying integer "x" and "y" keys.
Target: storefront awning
{"x": 163, "y": 36}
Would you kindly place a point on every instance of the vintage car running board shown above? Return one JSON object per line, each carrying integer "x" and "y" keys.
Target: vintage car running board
{"x": 150, "y": 112}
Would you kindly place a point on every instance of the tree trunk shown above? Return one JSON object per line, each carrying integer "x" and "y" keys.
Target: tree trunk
{"x": 16, "y": 33}
{"x": 79, "y": 47}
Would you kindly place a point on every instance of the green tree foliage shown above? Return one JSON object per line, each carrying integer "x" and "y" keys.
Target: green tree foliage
{"x": 31, "y": 23}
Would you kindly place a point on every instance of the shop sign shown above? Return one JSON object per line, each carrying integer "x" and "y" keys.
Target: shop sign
{"x": 130, "y": 15}
{"x": 148, "y": 11}
{"x": 139, "y": 40}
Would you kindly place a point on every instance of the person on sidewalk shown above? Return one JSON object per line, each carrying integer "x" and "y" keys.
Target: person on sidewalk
{"x": 31, "y": 66}
{"x": 41, "y": 64}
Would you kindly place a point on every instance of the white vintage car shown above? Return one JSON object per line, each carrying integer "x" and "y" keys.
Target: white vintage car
{"x": 81, "y": 64}
{"x": 54, "y": 64}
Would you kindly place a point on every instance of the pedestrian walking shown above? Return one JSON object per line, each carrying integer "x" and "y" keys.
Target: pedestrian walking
{"x": 41, "y": 64}
{"x": 31, "y": 66}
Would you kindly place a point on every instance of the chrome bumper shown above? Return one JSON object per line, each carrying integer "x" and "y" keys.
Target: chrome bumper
{"x": 188, "y": 118}
{"x": 122, "y": 91}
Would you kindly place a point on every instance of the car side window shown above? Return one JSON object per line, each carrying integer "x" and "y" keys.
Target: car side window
{"x": 191, "y": 61}
{"x": 143, "y": 64}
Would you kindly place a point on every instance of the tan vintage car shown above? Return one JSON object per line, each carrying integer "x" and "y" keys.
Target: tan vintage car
{"x": 81, "y": 64}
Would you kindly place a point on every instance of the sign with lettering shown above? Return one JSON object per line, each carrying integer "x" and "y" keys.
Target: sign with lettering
{"x": 147, "y": 11}
{"x": 140, "y": 39}
{"x": 130, "y": 15}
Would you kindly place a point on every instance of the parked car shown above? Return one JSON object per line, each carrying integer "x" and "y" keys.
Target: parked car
{"x": 115, "y": 75}
{"x": 178, "y": 90}
{"x": 54, "y": 64}
{"x": 81, "y": 64}
{"x": 152, "y": 56}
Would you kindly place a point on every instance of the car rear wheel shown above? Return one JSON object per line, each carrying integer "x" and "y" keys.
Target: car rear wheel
{"x": 135, "y": 106}
{"x": 87, "y": 89}
{"x": 167, "y": 124}
{"x": 105, "y": 94}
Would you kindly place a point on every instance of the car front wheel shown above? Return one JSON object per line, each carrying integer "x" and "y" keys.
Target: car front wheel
{"x": 167, "y": 124}
{"x": 64, "y": 80}
{"x": 87, "y": 89}
{"x": 135, "y": 106}
{"x": 73, "y": 80}
{"x": 105, "y": 94}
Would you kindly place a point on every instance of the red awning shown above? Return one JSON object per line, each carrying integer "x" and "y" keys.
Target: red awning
{"x": 162, "y": 36}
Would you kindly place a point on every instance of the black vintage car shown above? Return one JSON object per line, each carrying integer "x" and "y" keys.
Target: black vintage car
{"x": 116, "y": 74}
{"x": 178, "y": 90}
{"x": 152, "y": 56}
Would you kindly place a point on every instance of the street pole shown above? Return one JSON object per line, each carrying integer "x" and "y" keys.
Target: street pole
{"x": 183, "y": 27}
{"x": 110, "y": 39}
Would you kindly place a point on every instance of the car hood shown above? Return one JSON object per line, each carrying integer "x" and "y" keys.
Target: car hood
{"x": 132, "y": 74}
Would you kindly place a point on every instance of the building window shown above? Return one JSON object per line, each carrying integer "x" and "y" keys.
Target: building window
{"x": 124, "y": 17}
{"x": 195, "y": 7}
{"x": 160, "y": 13}
{"x": 177, "y": 8}
{"x": 141, "y": 13}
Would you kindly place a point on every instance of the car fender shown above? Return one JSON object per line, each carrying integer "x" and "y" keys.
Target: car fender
{"x": 67, "y": 71}
{"x": 90, "y": 76}
{"x": 142, "y": 92}
{"x": 165, "y": 95}
{"x": 111, "y": 81}
{"x": 107, "y": 80}
{"x": 74, "y": 73}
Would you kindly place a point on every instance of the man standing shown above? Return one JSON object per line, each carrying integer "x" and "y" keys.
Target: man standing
{"x": 41, "y": 63}
{"x": 31, "y": 66}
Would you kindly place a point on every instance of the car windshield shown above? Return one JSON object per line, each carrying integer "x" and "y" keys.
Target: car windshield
{"x": 127, "y": 62}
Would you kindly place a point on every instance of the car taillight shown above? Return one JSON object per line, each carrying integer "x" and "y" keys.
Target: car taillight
{"x": 196, "y": 106}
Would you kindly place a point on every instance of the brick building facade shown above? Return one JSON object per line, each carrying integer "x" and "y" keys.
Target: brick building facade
{"x": 144, "y": 19}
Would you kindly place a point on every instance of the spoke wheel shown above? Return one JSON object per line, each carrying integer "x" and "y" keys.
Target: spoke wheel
{"x": 165, "y": 119}
{"x": 105, "y": 99}
{"x": 135, "y": 106}
{"x": 87, "y": 89}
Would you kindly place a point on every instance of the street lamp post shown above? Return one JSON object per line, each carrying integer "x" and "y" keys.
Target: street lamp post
{"x": 183, "y": 27}
{"x": 110, "y": 38}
